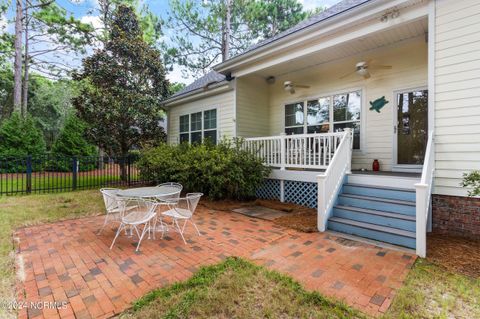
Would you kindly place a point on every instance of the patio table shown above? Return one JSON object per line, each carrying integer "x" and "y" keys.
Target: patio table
{"x": 145, "y": 193}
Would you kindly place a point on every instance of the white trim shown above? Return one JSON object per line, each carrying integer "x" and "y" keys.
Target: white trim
{"x": 431, "y": 65}
{"x": 292, "y": 175}
{"x": 202, "y": 122}
{"x": 331, "y": 123}
{"x": 323, "y": 28}
{"x": 235, "y": 115}
{"x": 395, "y": 166}
{"x": 198, "y": 94}
{"x": 314, "y": 45}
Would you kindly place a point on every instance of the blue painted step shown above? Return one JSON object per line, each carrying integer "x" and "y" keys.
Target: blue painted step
{"x": 376, "y": 217}
{"x": 379, "y": 191}
{"x": 377, "y": 203}
{"x": 376, "y": 232}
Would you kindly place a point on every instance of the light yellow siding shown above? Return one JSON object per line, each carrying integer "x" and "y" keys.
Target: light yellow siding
{"x": 223, "y": 102}
{"x": 252, "y": 106}
{"x": 457, "y": 92}
{"x": 409, "y": 70}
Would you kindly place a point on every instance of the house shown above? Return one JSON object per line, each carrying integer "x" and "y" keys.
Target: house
{"x": 394, "y": 81}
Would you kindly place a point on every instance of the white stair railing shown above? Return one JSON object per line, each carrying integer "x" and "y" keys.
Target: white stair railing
{"x": 424, "y": 197}
{"x": 314, "y": 151}
{"x": 330, "y": 182}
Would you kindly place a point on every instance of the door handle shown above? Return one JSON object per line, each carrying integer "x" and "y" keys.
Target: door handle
{"x": 394, "y": 129}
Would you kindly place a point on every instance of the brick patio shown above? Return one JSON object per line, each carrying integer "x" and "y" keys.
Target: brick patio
{"x": 67, "y": 261}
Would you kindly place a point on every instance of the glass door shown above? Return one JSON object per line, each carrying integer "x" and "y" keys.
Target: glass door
{"x": 412, "y": 127}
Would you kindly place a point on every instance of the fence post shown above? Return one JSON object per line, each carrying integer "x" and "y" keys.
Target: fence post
{"x": 128, "y": 169}
{"x": 74, "y": 172}
{"x": 29, "y": 174}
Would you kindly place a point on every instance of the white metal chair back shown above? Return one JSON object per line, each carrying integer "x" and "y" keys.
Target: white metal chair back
{"x": 171, "y": 190}
{"x": 110, "y": 199}
{"x": 142, "y": 214}
{"x": 182, "y": 210}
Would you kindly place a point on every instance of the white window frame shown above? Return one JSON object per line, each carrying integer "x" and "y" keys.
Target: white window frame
{"x": 331, "y": 122}
{"x": 202, "y": 129}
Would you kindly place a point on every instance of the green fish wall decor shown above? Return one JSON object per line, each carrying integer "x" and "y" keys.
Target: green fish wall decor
{"x": 378, "y": 104}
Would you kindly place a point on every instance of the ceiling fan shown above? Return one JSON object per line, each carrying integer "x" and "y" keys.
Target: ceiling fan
{"x": 289, "y": 86}
{"x": 362, "y": 69}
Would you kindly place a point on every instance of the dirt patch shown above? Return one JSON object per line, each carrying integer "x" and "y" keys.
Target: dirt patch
{"x": 457, "y": 254}
{"x": 302, "y": 221}
{"x": 300, "y": 218}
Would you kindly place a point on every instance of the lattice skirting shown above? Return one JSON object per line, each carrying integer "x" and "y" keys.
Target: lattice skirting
{"x": 269, "y": 190}
{"x": 301, "y": 193}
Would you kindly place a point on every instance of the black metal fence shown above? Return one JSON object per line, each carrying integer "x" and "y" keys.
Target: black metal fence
{"x": 46, "y": 174}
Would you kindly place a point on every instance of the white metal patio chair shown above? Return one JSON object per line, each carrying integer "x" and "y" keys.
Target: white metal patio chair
{"x": 114, "y": 212}
{"x": 182, "y": 210}
{"x": 142, "y": 215}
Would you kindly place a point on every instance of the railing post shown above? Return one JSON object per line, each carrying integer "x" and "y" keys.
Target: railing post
{"x": 421, "y": 221}
{"x": 349, "y": 133}
{"x": 29, "y": 174}
{"x": 321, "y": 205}
{"x": 74, "y": 172}
{"x": 283, "y": 154}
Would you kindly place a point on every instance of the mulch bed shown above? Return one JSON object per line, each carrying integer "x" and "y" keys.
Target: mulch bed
{"x": 456, "y": 254}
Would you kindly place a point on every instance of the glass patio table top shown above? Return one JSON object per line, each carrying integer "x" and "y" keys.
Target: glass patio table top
{"x": 147, "y": 192}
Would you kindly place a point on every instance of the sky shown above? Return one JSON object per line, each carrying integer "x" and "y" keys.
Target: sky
{"x": 85, "y": 10}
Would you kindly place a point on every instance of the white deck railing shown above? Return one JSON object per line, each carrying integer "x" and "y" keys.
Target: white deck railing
{"x": 424, "y": 197}
{"x": 330, "y": 182}
{"x": 314, "y": 151}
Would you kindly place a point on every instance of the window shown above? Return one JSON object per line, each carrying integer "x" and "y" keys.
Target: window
{"x": 184, "y": 128}
{"x": 326, "y": 114}
{"x": 210, "y": 125}
{"x": 196, "y": 127}
{"x": 294, "y": 118}
{"x": 346, "y": 114}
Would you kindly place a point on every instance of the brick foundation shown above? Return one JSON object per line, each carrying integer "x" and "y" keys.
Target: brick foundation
{"x": 456, "y": 215}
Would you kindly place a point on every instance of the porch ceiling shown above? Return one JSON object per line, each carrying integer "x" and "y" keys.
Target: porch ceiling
{"x": 360, "y": 46}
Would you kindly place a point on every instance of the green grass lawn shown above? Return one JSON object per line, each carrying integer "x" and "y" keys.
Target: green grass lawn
{"x": 42, "y": 184}
{"x": 17, "y": 211}
{"x": 237, "y": 288}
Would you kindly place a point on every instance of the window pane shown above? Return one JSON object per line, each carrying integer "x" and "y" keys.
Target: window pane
{"x": 210, "y": 135}
{"x": 294, "y": 114}
{"x": 346, "y": 107}
{"x": 318, "y": 128}
{"x": 196, "y": 137}
{"x": 184, "y": 138}
{"x": 210, "y": 119}
{"x": 294, "y": 130}
{"x": 317, "y": 111}
{"x": 356, "y": 131}
{"x": 184, "y": 123}
{"x": 196, "y": 121}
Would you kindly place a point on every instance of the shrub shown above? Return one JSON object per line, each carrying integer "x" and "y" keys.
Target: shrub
{"x": 472, "y": 180}
{"x": 71, "y": 142}
{"x": 20, "y": 137}
{"x": 221, "y": 171}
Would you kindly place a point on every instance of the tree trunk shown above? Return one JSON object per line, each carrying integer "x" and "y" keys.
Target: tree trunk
{"x": 26, "y": 69}
{"x": 17, "y": 75}
{"x": 226, "y": 31}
